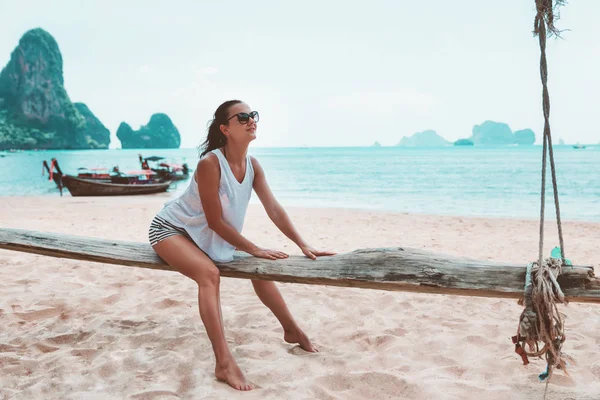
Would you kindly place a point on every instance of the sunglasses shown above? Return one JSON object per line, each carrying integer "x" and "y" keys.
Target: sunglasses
{"x": 243, "y": 118}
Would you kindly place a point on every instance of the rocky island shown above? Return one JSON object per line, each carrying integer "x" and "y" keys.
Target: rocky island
{"x": 158, "y": 133}
{"x": 35, "y": 109}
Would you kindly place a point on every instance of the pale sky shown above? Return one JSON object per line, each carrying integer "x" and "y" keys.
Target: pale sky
{"x": 321, "y": 73}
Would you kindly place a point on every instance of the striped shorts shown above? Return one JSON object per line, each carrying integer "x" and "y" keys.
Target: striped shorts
{"x": 160, "y": 229}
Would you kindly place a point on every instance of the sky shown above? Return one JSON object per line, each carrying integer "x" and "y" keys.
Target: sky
{"x": 322, "y": 73}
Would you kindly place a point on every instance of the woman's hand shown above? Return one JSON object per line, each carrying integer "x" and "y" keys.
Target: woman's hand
{"x": 268, "y": 254}
{"x": 312, "y": 253}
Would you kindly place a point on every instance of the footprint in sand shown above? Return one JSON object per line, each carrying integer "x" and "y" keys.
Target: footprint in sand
{"x": 155, "y": 395}
{"x": 296, "y": 350}
{"x": 126, "y": 323}
{"x": 86, "y": 354}
{"x": 38, "y": 314}
{"x": 69, "y": 338}
{"x": 372, "y": 385}
{"x": 9, "y": 348}
{"x": 66, "y": 286}
{"x": 118, "y": 285}
{"x": 4, "y": 361}
{"x": 112, "y": 299}
{"x": 27, "y": 281}
{"x": 381, "y": 341}
{"x": 131, "y": 324}
{"x": 45, "y": 348}
{"x": 145, "y": 376}
{"x": 478, "y": 340}
{"x": 167, "y": 303}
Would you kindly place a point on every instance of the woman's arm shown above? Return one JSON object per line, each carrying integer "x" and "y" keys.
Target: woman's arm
{"x": 208, "y": 175}
{"x": 278, "y": 215}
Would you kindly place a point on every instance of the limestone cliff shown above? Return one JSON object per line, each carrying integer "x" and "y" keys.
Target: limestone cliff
{"x": 35, "y": 109}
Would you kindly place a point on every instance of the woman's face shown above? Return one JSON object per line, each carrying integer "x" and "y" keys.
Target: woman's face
{"x": 241, "y": 126}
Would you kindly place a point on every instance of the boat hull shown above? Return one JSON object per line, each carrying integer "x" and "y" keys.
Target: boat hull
{"x": 83, "y": 187}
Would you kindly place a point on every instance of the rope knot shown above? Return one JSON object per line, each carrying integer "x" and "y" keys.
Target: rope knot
{"x": 547, "y": 13}
{"x": 541, "y": 323}
{"x": 528, "y": 324}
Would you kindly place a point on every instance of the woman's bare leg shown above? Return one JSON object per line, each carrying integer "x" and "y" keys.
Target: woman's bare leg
{"x": 271, "y": 297}
{"x": 183, "y": 255}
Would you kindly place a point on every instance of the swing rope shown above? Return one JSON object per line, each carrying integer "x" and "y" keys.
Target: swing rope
{"x": 541, "y": 324}
{"x": 544, "y": 22}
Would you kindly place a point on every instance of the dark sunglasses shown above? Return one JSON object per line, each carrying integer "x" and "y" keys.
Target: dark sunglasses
{"x": 243, "y": 118}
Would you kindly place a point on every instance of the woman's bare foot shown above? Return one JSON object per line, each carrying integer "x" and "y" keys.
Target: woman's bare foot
{"x": 298, "y": 336}
{"x": 230, "y": 373}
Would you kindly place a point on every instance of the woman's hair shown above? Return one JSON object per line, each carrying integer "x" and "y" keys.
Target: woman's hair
{"x": 215, "y": 137}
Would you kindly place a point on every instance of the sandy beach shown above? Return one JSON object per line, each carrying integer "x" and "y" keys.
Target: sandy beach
{"x": 81, "y": 330}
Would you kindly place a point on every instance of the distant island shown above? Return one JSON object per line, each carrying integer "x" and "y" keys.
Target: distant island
{"x": 37, "y": 113}
{"x": 376, "y": 144}
{"x": 160, "y": 132}
{"x": 487, "y": 133}
{"x": 498, "y": 133}
{"x": 422, "y": 139}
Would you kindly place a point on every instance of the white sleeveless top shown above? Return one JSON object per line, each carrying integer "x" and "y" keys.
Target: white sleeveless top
{"x": 186, "y": 211}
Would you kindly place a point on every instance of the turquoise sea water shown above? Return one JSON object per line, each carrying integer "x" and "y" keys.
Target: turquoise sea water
{"x": 470, "y": 181}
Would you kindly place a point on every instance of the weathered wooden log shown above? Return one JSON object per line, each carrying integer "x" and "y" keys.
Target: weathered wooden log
{"x": 398, "y": 268}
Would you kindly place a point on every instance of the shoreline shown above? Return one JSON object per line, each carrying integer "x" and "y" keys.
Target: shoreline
{"x": 256, "y": 204}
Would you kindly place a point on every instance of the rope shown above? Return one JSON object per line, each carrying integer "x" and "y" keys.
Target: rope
{"x": 543, "y": 18}
{"x": 541, "y": 321}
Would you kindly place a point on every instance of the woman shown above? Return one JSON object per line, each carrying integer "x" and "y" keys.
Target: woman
{"x": 204, "y": 224}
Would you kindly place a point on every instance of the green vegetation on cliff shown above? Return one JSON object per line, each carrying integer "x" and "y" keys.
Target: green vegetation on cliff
{"x": 35, "y": 109}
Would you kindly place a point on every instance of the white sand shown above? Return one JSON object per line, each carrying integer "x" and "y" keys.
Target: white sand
{"x": 79, "y": 330}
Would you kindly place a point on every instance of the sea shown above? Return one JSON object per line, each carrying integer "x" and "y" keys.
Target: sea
{"x": 486, "y": 181}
